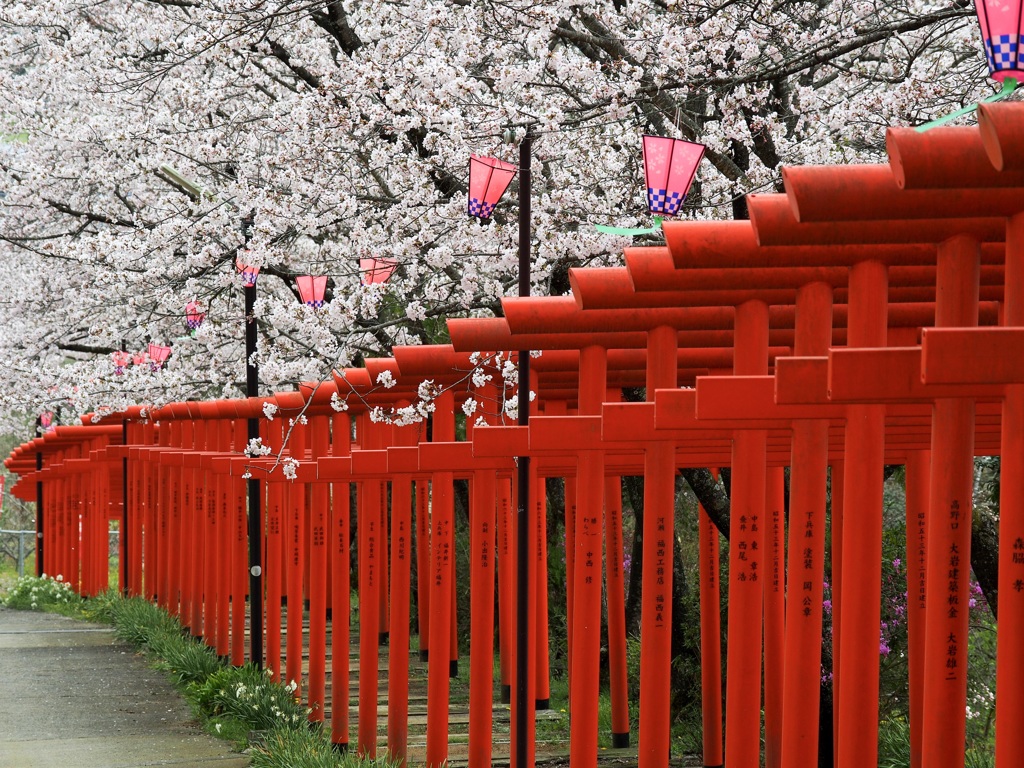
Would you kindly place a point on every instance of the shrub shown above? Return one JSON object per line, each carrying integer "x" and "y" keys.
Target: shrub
{"x": 42, "y": 593}
{"x": 246, "y": 694}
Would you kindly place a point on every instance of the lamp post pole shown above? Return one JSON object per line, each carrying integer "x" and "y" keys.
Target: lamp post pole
{"x": 522, "y": 553}
{"x": 39, "y": 503}
{"x": 255, "y": 504}
{"x": 124, "y": 539}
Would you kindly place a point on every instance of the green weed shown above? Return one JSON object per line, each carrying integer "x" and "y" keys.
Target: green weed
{"x": 290, "y": 748}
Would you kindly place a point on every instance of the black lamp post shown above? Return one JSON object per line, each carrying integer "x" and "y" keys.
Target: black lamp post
{"x": 523, "y": 511}
{"x": 124, "y": 537}
{"x": 488, "y": 180}
{"x": 252, "y": 376}
{"x": 39, "y": 501}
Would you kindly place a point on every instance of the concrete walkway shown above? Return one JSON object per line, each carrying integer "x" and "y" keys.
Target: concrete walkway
{"x": 71, "y": 696}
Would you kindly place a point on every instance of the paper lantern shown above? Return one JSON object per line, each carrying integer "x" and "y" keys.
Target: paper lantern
{"x": 488, "y": 180}
{"x": 1001, "y": 29}
{"x": 158, "y": 355}
{"x": 121, "y": 360}
{"x": 249, "y": 273}
{"x": 669, "y": 168}
{"x": 138, "y": 358}
{"x": 46, "y": 421}
{"x": 193, "y": 316}
{"x": 376, "y": 270}
{"x": 311, "y": 289}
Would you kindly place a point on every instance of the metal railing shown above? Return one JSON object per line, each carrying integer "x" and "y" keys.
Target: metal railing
{"x": 19, "y": 546}
{"x": 19, "y": 550}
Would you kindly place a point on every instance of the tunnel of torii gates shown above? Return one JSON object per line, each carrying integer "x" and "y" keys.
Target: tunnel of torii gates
{"x": 870, "y": 315}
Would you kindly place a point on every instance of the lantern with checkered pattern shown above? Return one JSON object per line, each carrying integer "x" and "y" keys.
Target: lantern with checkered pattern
{"x": 121, "y": 360}
{"x": 194, "y": 316}
{"x": 488, "y": 180}
{"x": 158, "y": 355}
{"x": 249, "y": 273}
{"x": 312, "y": 289}
{"x": 1002, "y": 29}
{"x": 669, "y": 168}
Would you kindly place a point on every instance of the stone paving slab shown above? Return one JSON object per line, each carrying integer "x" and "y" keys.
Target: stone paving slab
{"x": 73, "y": 697}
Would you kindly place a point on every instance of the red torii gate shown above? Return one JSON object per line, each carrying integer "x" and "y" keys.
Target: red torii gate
{"x": 831, "y": 222}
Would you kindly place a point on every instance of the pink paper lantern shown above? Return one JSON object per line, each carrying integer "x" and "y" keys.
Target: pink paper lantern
{"x": 121, "y": 360}
{"x": 249, "y": 273}
{"x": 669, "y": 168}
{"x": 376, "y": 270}
{"x": 46, "y": 421}
{"x": 1001, "y": 29}
{"x": 139, "y": 358}
{"x": 193, "y": 316}
{"x": 158, "y": 355}
{"x": 312, "y": 289}
{"x": 488, "y": 180}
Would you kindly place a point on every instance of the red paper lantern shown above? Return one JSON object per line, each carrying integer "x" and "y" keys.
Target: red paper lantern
{"x": 158, "y": 355}
{"x": 669, "y": 168}
{"x": 311, "y": 289}
{"x": 193, "y": 316}
{"x": 138, "y": 358}
{"x": 376, "y": 270}
{"x": 249, "y": 273}
{"x": 121, "y": 360}
{"x": 488, "y": 180}
{"x": 1002, "y": 29}
{"x": 46, "y": 421}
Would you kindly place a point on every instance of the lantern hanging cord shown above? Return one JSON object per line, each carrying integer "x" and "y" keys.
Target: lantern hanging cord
{"x": 627, "y": 232}
{"x": 1009, "y": 86}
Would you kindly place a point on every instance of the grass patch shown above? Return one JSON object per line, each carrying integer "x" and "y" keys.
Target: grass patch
{"x": 230, "y": 702}
{"x": 288, "y": 748}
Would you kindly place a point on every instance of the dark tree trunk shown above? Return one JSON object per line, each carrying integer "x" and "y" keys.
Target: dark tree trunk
{"x": 985, "y": 555}
{"x": 711, "y": 495}
{"x": 634, "y": 495}
{"x": 685, "y": 654}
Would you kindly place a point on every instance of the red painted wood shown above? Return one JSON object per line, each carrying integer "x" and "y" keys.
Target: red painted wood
{"x": 918, "y": 477}
{"x": 861, "y": 536}
{"x": 944, "y": 718}
{"x": 746, "y": 571}
{"x": 319, "y": 496}
{"x": 339, "y": 528}
{"x": 710, "y": 639}
{"x": 442, "y": 562}
{"x": 585, "y": 675}
{"x": 774, "y": 611}
{"x": 805, "y": 570}
{"x": 953, "y": 157}
{"x": 1010, "y": 665}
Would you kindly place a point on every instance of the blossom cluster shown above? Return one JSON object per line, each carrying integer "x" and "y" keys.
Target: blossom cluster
{"x": 145, "y": 147}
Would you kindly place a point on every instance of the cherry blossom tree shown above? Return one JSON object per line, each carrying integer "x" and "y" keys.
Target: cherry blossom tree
{"x": 150, "y": 144}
